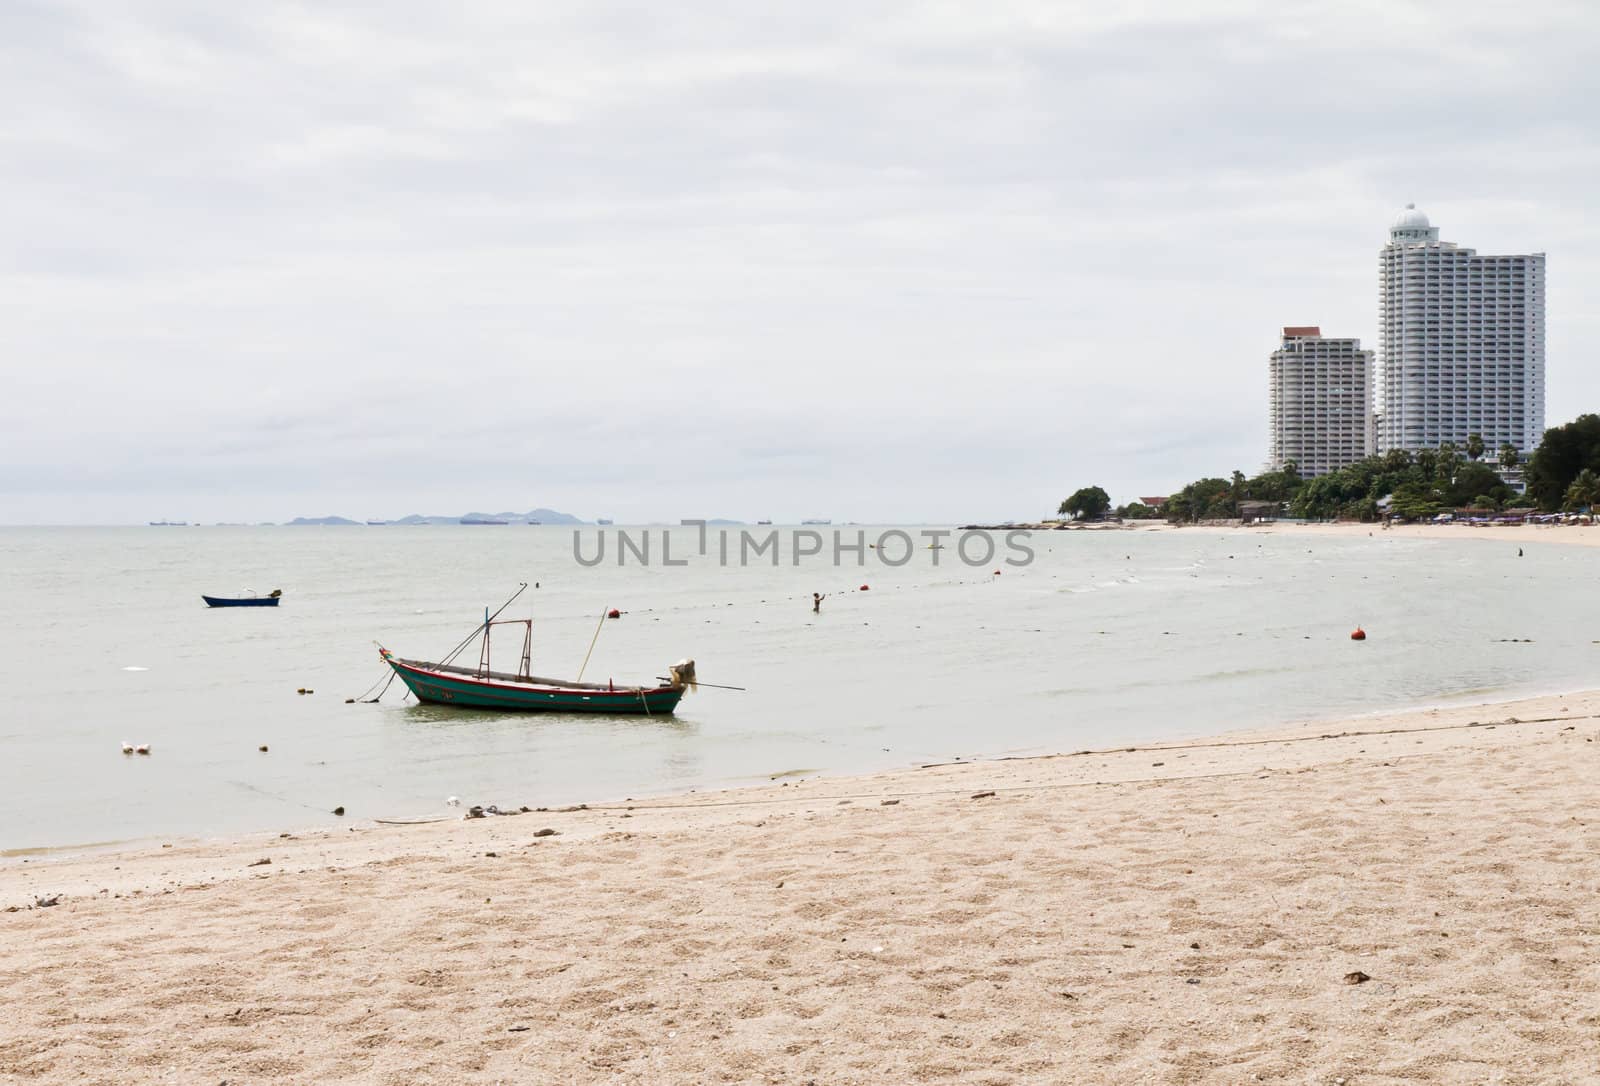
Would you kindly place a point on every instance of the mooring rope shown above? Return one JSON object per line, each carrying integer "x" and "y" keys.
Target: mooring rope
{"x": 363, "y": 698}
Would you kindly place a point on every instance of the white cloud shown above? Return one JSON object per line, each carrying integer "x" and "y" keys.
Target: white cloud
{"x": 888, "y": 261}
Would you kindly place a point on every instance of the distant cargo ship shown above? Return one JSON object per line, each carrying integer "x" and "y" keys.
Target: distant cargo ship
{"x": 481, "y": 520}
{"x": 759, "y": 522}
{"x": 377, "y": 522}
{"x": 604, "y": 520}
{"x": 169, "y": 524}
{"x": 816, "y": 522}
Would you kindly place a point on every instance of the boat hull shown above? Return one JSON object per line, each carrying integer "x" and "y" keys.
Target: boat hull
{"x": 438, "y": 688}
{"x": 254, "y": 601}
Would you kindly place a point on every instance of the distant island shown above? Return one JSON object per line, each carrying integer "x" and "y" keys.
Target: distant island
{"x": 533, "y": 516}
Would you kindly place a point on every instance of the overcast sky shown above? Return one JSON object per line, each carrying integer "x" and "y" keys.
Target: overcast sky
{"x": 869, "y": 261}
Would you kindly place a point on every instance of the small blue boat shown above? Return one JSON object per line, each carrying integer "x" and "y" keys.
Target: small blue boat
{"x": 243, "y": 601}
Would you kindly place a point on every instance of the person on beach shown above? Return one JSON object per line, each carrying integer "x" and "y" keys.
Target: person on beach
{"x": 816, "y": 603}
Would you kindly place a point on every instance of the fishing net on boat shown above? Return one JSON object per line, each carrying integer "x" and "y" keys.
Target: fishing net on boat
{"x": 683, "y": 675}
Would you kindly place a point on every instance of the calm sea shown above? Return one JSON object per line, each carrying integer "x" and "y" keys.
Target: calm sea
{"x": 1105, "y": 638}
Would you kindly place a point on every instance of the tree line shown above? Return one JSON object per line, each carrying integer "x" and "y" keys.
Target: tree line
{"x": 1563, "y": 474}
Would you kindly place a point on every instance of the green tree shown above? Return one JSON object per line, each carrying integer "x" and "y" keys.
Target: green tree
{"x": 1474, "y": 446}
{"x": 1584, "y": 491}
{"x": 1275, "y": 486}
{"x": 1086, "y": 503}
{"x": 1396, "y": 461}
{"x": 1203, "y": 499}
{"x": 1561, "y": 456}
{"x": 1508, "y": 456}
{"x": 1416, "y": 501}
{"x": 1136, "y": 511}
{"x": 1472, "y": 480}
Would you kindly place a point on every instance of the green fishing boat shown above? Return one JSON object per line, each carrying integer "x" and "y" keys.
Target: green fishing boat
{"x": 448, "y": 683}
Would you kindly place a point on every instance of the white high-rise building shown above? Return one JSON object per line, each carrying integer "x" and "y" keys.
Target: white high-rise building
{"x": 1460, "y": 342}
{"x": 1320, "y": 402}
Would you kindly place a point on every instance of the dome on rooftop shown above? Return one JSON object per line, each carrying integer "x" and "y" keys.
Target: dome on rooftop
{"x": 1411, "y": 219}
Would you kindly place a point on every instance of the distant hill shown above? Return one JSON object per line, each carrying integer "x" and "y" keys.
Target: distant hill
{"x": 336, "y": 521}
{"x": 543, "y": 516}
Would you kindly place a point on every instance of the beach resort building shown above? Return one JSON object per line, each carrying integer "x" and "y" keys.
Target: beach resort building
{"x": 1319, "y": 402}
{"x": 1460, "y": 342}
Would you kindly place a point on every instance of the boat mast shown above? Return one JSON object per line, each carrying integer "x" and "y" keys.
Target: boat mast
{"x": 487, "y": 618}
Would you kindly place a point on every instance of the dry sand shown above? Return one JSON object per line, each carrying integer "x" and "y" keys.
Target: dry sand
{"x": 1517, "y": 535}
{"x": 1185, "y": 914}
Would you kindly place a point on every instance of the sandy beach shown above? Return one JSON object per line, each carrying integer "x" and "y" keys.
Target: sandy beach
{"x": 1194, "y": 912}
{"x": 1518, "y": 535}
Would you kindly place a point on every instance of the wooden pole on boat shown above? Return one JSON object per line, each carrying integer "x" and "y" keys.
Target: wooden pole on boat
{"x": 592, "y": 641}
{"x": 487, "y": 618}
{"x": 714, "y": 686}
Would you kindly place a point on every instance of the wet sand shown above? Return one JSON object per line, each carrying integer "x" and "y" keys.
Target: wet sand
{"x": 1189, "y": 913}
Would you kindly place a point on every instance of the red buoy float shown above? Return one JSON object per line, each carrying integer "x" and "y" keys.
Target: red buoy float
{"x": 613, "y": 613}
{"x": 866, "y": 588}
{"x": 1358, "y": 634}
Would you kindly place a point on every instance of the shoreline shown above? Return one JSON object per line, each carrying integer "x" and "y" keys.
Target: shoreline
{"x": 1183, "y": 911}
{"x": 1583, "y": 535}
{"x": 18, "y": 856}
{"x": 390, "y": 828}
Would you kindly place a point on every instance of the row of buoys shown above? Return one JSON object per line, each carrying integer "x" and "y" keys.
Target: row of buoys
{"x": 616, "y": 613}
{"x": 131, "y": 748}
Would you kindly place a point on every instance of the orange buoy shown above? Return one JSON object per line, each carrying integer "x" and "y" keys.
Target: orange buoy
{"x": 1358, "y": 634}
{"x": 613, "y": 613}
{"x": 866, "y": 588}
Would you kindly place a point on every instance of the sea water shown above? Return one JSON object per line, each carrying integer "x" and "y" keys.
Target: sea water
{"x": 1105, "y": 638}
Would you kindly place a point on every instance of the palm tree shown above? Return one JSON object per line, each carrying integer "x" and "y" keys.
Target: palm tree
{"x": 1584, "y": 492}
{"x": 1509, "y": 456}
{"x": 1449, "y": 461}
{"x": 1474, "y": 446}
